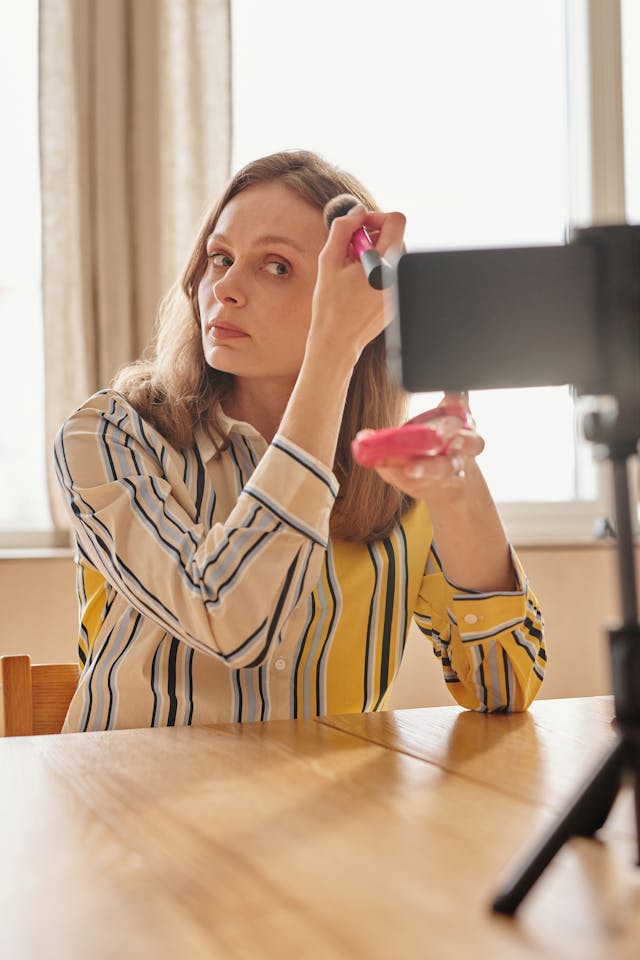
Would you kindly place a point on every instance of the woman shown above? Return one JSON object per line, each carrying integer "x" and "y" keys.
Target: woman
{"x": 234, "y": 563}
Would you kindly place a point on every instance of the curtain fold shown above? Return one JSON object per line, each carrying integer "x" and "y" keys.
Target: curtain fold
{"x": 135, "y": 142}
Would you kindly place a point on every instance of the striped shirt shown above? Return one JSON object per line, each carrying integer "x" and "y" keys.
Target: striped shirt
{"x": 210, "y": 590}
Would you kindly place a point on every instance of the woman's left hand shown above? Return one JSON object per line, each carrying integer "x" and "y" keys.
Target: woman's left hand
{"x": 437, "y": 478}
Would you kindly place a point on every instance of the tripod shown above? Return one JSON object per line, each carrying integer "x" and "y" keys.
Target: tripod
{"x": 591, "y": 805}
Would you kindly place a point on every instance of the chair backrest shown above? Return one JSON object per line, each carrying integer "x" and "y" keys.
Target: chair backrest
{"x": 35, "y": 699}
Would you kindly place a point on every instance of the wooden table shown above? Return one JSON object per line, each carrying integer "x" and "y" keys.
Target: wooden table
{"x": 380, "y": 836}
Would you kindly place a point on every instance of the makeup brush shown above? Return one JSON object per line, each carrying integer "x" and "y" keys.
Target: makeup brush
{"x": 377, "y": 270}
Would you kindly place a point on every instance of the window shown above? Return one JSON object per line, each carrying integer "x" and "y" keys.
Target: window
{"x": 453, "y": 112}
{"x": 23, "y": 499}
{"x": 456, "y": 114}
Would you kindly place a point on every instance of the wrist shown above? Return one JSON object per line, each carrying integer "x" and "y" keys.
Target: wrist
{"x": 329, "y": 364}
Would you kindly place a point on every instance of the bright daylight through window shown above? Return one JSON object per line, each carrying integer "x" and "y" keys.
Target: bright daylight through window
{"x": 461, "y": 124}
{"x": 23, "y": 501}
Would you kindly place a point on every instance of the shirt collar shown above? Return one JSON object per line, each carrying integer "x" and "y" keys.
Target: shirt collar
{"x": 229, "y": 425}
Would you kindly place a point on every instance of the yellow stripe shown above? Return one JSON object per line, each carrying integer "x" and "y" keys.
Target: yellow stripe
{"x": 345, "y": 670}
{"x": 92, "y": 612}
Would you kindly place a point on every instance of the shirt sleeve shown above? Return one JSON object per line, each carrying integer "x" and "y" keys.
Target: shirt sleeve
{"x": 225, "y": 590}
{"x": 490, "y": 645}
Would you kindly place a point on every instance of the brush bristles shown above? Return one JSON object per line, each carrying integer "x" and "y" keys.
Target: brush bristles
{"x": 338, "y": 207}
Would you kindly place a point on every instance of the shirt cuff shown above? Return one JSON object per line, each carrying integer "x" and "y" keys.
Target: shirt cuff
{"x": 296, "y": 487}
{"x": 481, "y": 616}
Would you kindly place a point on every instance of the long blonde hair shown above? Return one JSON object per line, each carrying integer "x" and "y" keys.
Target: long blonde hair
{"x": 173, "y": 387}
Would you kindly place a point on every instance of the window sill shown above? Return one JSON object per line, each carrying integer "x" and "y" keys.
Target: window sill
{"x": 35, "y": 544}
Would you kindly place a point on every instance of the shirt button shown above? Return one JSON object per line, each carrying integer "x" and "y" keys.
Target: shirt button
{"x": 280, "y": 664}
{"x": 470, "y": 618}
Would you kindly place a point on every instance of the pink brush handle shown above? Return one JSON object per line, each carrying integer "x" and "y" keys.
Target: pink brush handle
{"x": 361, "y": 241}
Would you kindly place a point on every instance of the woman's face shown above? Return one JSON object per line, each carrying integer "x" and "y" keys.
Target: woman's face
{"x": 255, "y": 296}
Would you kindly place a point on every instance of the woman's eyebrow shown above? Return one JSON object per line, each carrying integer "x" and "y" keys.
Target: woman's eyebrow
{"x": 263, "y": 241}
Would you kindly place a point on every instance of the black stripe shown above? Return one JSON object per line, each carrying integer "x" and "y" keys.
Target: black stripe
{"x": 183, "y": 529}
{"x": 102, "y": 435}
{"x": 436, "y": 556}
{"x": 321, "y": 707}
{"x": 482, "y": 679}
{"x": 523, "y": 645}
{"x": 171, "y": 683}
{"x": 506, "y": 665}
{"x": 117, "y": 577}
{"x": 155, "y": 530}
{"x": 367, "y": 652}
{"x": 238, "y": 690}
{"x": 190, "y": 653}
{"x": 240, "y": 478}
{"x": 140, "y": 426}
{"x": 105, "y": 553}
{"x": 276, "y": 614}
{"x": 245, "y": 643}
{"x": 309, "y": 466}
{"x": 89, "y": 686}
{"x": 263, "y": 705}
{"x": 304, "y": 566}
{"x": 475, "y": 638}
{"x": 200, "y": 475}
{"x": 128, "y": 440}
{"x": 252, "y": 455}
{"x": 308, "y": 536}
{"x": 154, "y": 715}
{"x": 405, "y": 599}
{"x": 83, "y": 553}
{"x": 388, "y": 621}
{"x": 312, "y": 603}
{"x": 238, "y": 569}
{"x": 82, "y": 597}
{"x": 532, "y": 630}
{"x": 214, "y": 559}
{"x": 115, "y": 663}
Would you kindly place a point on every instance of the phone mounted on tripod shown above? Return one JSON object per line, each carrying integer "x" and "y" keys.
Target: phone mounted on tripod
{"x": 545, "y": 316}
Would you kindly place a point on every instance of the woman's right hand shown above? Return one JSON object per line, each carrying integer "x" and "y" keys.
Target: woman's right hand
{"x": 348, "y": 313}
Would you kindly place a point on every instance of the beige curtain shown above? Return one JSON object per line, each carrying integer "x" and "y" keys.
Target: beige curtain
{"x": 135, "y": 144}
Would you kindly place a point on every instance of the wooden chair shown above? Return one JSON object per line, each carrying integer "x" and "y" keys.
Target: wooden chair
{"x": 35, "y": 698}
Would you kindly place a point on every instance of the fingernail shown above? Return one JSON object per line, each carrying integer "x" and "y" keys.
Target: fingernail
{"x": 457, "y": 465}
{"x": 415, "y": 471}
{"x": 356, "y": 210}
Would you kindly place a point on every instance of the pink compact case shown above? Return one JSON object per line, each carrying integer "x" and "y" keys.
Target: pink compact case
{"x": 426, "y": 435}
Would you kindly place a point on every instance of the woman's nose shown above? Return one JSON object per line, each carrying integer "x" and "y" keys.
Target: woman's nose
{"x": 230, "y": 287}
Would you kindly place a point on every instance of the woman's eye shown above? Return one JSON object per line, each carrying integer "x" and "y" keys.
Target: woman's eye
{"x": 220, "y": 259}
{"x": 277, "y": 268}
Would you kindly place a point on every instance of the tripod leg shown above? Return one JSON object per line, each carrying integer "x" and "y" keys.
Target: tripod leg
{"x": 586, "y": 814}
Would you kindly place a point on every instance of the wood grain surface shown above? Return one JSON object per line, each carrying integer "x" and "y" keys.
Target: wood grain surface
{"x": 302, "y": 839}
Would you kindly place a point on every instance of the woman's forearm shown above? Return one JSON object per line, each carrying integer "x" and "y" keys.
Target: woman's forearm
{"x": 314, "y": 413}
{"x": 470, "y": 538}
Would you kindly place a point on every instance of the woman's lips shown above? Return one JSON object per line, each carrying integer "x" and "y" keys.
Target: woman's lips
{"x": 226, "y": 333}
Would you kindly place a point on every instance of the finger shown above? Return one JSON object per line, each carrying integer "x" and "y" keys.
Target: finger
{"x": 467, "y": 443}
{"x": 391, "y": 229}
{"x": 385, "y": 229}
{"x": 456, "y": 397}
{"x": 337, "y": 248}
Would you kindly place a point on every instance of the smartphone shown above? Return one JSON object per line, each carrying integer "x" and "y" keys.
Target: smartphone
{"x": 426, "y": 435}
